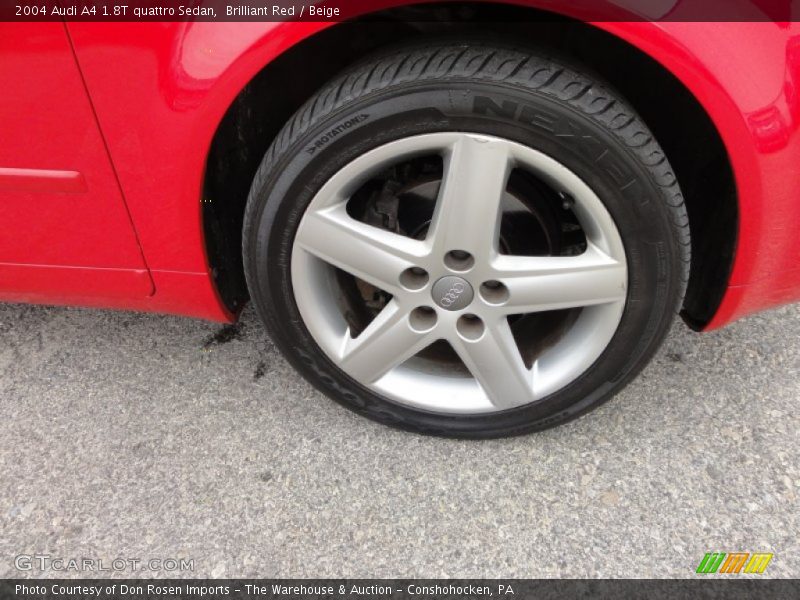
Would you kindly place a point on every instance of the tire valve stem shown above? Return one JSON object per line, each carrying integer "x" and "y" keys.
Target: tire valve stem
{"x": 567, "y": 201}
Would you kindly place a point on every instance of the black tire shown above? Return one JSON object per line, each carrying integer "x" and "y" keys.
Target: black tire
{"x": 483, "y": 88}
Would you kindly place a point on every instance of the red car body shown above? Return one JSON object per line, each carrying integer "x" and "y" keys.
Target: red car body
{"x": 107, "y": 127}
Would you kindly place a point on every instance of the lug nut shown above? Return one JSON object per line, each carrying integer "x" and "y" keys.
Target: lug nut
{"x": 422, "y": 319}
{"x": 470, "y": 327}
{"x": 494, "y": 292}
{"x": 459, "y": 260}
{"x": 414, "y": 278}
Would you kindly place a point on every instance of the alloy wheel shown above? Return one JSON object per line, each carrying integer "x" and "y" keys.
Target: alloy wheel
{"x": 456, "y": 281}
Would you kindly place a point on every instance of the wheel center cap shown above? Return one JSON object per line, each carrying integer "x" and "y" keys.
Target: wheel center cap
{"x": 452, "y": 293}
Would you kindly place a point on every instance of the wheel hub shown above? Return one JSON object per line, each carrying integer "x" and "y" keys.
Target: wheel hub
{"x": 452, "y": 293}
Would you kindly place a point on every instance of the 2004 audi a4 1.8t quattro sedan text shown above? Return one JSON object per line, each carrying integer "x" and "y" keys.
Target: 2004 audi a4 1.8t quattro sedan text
{"x": 467, "y": 220}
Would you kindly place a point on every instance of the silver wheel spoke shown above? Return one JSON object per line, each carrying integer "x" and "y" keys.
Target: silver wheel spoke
{"x": 467, "y": 215}
{"x": 387, "y": 342}
{"x": 495, "y": 362}
{"x": 557, "y": 282}
{"x": 370, "y": 253}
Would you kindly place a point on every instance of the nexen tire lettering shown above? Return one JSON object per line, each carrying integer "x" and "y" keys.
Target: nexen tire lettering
{"x": 544, "y": 120}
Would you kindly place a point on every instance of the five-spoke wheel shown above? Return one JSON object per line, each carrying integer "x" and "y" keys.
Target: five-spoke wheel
{"x": 466, "y": 239}
{"x": 455, "y": 284}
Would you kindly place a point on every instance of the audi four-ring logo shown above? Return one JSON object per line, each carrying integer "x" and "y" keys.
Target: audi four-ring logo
{"x": 452, "y": 294}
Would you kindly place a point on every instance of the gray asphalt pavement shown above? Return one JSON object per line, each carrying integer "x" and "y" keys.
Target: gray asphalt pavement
{"x": 152, "y": 437}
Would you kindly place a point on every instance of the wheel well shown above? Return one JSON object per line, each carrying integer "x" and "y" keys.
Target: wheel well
{"x": 680, "y": 124}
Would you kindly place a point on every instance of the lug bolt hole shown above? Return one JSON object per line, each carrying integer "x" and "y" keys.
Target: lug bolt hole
{"x": 422, "y": 319}
{"x": 470, "y": 327}
{"x": 459, "y": 260}
{"x": 414, "y": 278}
{"x": 494, "y": 292}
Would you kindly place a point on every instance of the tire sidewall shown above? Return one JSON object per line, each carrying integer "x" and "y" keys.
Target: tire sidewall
{"x": 600, "y": 158}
